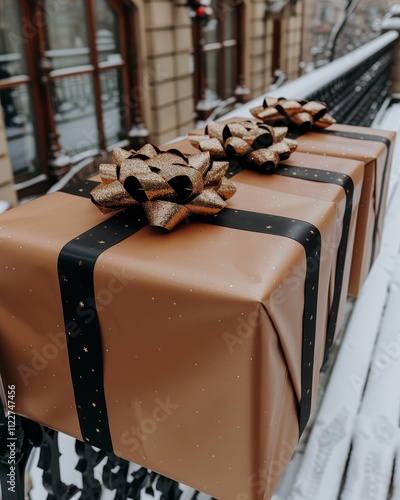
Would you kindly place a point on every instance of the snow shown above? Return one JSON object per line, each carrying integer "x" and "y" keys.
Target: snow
{"x": 68, "y": 461}
{"x": 391, "y": 24}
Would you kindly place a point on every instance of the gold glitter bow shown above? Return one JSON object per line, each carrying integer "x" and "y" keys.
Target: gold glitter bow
{"x": 298, "y": 113}
{"x": 256, "y": 142}
{"x": 167, "y": 185}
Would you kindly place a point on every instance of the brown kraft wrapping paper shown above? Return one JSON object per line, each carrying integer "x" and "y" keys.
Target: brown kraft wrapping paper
{"x": 201, "y": 335}
{"x": 374, "y": 148}
{"x": 377, "y": 157}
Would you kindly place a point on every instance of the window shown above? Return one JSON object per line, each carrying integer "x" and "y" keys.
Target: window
{"x": 16, "y": 91}
{"x": 218, "y": 56}
{"x": 67, "y": 78}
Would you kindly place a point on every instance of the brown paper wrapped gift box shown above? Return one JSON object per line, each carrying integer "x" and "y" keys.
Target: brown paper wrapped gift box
{"x": 321, "y": 177}
{"x": 206, "y": 333}
{"x": 374, "y": 148}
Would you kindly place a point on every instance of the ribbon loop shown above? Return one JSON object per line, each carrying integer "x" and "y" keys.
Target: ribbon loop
{"x": 167, "y": 185}
{"x": 227, "y": 189}
{"x": 185, "y": 181}
{"x": 201, "y": 162}
{"x": 298, "y": 113}
{"x": 216, "y": 173}
{"x": 132, "y": 167}
{"x": 165, "y": 214}
{"x": 119, "y": 155}
{"x": 209, "y": 202}
{"x": 243, "y": 139}
{"x": 164, "y": 160}
{"x": 108, "y": 172}
{"x": 288, "y": 108}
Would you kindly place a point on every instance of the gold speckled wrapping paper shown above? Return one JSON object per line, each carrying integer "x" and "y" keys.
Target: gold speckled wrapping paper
{"x": 374, "y": 187}
{"x": 201, "y": 331}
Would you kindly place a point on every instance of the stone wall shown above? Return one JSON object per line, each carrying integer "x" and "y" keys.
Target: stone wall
{"x": 292, "y": 30}
{"x": 258, "y": 48}
{"x": 170, "y": 70}
{"x": 7, "y": 192}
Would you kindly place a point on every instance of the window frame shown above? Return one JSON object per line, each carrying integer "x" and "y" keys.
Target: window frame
{"x": 41, "y": 78}
{"x": 204, "y": 107}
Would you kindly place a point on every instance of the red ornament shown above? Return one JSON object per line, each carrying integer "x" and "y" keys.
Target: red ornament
{"x": 200, "y": 11}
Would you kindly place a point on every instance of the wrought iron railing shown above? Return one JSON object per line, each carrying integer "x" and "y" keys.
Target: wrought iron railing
{"x": 354, "y": 86}
{"x": 356, "y": 96}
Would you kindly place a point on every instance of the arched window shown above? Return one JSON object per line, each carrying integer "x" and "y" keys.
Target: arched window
{"x": 68, "y": 74}
{"x": 219, "y": 65}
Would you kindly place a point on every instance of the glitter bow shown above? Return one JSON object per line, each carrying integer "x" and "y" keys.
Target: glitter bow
{"x": 300, "y": 114}
{"x": 258, "y": 143}
{"x": 167, "y": 185}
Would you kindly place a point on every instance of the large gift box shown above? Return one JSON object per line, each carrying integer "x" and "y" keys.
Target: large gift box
{"x": 194, "y": 352}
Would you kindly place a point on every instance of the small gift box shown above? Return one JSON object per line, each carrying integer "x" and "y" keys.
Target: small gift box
{"x": 316, "y": 133}
{"x": 194, "y": 352}
{"x": 375, "y": 149}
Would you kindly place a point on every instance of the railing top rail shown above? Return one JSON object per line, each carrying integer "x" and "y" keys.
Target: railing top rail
{"x": 312, "y": 82}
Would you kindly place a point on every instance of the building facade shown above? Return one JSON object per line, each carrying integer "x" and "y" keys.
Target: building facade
{"x": 81, "y": 76}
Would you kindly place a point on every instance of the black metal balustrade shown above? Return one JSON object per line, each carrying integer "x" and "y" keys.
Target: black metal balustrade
{"x": 356, "y": 96}
{"x": 355, "y": 87}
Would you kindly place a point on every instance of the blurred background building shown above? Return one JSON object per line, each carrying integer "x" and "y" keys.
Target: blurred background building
{"x": 78, "y": 77}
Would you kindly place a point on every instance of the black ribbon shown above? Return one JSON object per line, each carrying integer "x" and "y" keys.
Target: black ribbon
{"x": 76, "y": 263}
{"x": 344, "y": 181}
{"x": 83, "y": 188}
{"x": 75, "y": 271}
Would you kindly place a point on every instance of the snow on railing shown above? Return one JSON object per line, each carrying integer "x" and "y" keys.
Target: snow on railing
{"x": 322, "y": 80}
